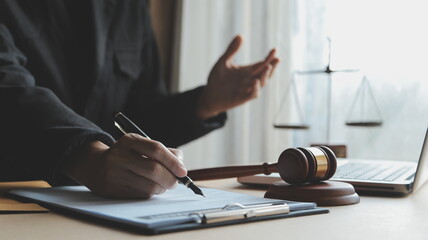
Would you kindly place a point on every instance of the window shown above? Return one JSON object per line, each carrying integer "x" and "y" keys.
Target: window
{"x": 386, "y": 40}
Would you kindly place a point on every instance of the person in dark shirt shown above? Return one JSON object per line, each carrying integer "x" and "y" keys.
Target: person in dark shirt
{"x": 66, "y": 66}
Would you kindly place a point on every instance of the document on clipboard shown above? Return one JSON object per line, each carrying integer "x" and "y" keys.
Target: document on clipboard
{"x": 175, "y": 210}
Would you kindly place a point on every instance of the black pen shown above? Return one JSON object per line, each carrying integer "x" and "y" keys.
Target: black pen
{"x": 125, "y": 125}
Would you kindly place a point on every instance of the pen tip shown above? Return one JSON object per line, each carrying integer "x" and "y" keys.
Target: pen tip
{"x": 196, "y": 190}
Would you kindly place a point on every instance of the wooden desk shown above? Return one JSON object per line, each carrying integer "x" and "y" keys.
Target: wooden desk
{"x": 377, "y": 218}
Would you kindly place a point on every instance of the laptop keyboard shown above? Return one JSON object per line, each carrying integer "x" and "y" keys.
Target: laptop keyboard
{"x": 376, "y": 172}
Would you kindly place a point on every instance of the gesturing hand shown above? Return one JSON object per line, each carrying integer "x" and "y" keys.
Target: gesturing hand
{"x": 134, "y": 167}
{"x": 230, "y": 85}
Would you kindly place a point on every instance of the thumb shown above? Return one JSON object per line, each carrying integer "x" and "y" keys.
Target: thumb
{"x": 233, "y": 48}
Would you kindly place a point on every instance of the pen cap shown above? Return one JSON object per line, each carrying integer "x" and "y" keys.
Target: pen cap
{"x": 126, "y": 125}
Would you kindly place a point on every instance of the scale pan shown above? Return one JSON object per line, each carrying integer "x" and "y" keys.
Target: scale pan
{"x": 289, "y": 126}
{"x": 364, "y": 124}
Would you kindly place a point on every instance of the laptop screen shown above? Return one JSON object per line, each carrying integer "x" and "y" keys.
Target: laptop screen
{"x": 421, "y": 175}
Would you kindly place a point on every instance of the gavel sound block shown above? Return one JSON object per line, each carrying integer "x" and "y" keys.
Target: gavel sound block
{"x": 304, "y": 171}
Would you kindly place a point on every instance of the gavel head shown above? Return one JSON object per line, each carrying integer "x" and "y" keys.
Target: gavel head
{"x": 312, "y": 164}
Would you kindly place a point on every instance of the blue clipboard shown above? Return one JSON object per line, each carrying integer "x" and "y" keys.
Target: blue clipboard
{"x": 175, "y": 210}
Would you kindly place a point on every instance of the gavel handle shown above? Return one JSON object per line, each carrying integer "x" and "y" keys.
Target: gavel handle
{"x": 232, "y": 171}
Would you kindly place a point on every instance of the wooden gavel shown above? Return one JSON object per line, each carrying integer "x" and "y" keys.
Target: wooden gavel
{"x": 295, "y": 166}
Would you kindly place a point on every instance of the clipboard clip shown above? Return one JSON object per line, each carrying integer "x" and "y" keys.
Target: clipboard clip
{"x": 236, "y": 211}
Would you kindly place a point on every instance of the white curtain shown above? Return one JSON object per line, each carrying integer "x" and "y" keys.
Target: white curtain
{"x": 207, "y": 27}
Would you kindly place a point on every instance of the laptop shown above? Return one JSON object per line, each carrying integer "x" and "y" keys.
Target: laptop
{"x": 371, "y": 176}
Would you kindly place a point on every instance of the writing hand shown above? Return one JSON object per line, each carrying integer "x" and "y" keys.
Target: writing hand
{"x": 134, "y": 167}
{"x": 230, "y": 85}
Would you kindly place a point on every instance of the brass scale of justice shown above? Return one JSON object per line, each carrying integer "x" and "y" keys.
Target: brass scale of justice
{"x": 305, "y": 171}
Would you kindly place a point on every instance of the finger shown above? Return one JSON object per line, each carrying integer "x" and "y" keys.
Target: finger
{"x": 145, "y": 186}
{"x": 129, "y": 185}
{"x": 253, "y": 91}
{"x": 274, "y": 63}
{"x": 178, "y": 153}
{"x": 151, "y": 170}
{"x": 270, "y": 56}
{"x": 153, "y": 150}
{"x": 233, "y": 48}
{"x": 264, "y": 75}
{"x": 259, "y": 71}
{"x": 140, "y": 187}
{"x": 259, "y": 66}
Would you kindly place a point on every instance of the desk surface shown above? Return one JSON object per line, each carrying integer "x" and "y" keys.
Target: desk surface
{"x": 373, "y": 218}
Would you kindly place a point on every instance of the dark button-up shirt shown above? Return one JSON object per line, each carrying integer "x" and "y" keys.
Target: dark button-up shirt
{"x": 65, "y": 66}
